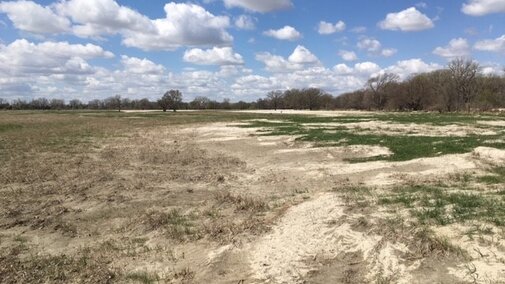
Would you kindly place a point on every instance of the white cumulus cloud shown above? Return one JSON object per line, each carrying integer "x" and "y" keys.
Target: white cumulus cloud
{"x": 214, "y": 56}
{"x": 262, "y": 6}
{"x": 285, "y": 33}
{"x": 348, "y": 55}
{"x": 141, "y": 66}
{"x": 326, "y": 28}
{"x": 493, "y": 45}
{"x": 31, "y": 17}
{"x": 185, "y": 24}
{"x": 374, "y": 47}
{"x": 366, "y": 67}
{"x": 245, "y": 22}
{"x": 46, "y": 55}
{"x": 302, "y": 55}
{"x": 388, "y": 52}
{"x": 408, "y": 20}
{"x": 483, "y": 7}
{"x": 457, "y": 47}
{"x": 299, "y": 59}
{"x": 369, "y": 44}
{"x": 94, "y": 18}
{"x": 405, "y": 68}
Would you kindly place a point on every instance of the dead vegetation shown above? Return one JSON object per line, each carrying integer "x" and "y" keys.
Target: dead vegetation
{"x": 94, "y": 193}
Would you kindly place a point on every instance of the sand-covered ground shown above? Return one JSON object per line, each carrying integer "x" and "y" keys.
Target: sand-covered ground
{"x": 167, "y": 201}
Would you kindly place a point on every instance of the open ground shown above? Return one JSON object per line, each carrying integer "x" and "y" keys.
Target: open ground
{"x": 252, "y": 197}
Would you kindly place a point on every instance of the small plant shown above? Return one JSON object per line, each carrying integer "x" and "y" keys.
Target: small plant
{"x": 242, "y": 203}
{"x": 428, "y": 244}
{"x": 177, "y": 225}
{"x": 142, "y": 277}
{"x": 185, "y": 274}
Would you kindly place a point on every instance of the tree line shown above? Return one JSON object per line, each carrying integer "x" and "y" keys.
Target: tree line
{"x": 458, "y": 87}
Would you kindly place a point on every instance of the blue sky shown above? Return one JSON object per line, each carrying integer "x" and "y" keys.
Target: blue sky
{"x": 236, "y": 49}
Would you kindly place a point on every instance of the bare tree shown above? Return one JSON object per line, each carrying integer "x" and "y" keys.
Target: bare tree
{"x": 96, "y": 104}
{"x": 443, "y": 91}
{"x": 312, "y": 96}
{"x": 75, "y": 104}
{"x": 418, "y": 92}
{"x": 200, "y": 103}
{"x": 275, "y": 98}
{"x": 117, "y": 102}
{"x": 4, "y": 103}
{"x": 40, "y": 103}
{"x": 171, "y": 99}
{"x": 464, "y": 75}
{"x": 378, "y": 85}
{"x": 57, "y": 104}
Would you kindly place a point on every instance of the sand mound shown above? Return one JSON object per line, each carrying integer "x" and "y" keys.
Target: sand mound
{"x": 499, "y": 123}
{"x": 490, "y": 155}
{"x": 319, "y": 229}
{"x": 487, "y": 253}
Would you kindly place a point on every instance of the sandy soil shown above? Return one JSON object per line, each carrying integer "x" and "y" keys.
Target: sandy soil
{"x": 217, "y": 202}
{"x": 380, "y": 127}
{"x": 319, "y": 231}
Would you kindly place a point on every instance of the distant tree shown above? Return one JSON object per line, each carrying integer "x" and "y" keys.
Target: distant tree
{"x": 326, "y": 101}
{"x": 40, "y": 103}
{"x": 57, "y": 104}
{"x": 96, "y": 104}
{"x": 19, "y": 104}
{"x": 171, "y": 99}
{"x": 113, "y": 102}
{"x": 443, "y": 92}
{"x": 242, "y": 105}
{"x": 311, "y": 98}
{"x": 417, "y": 92}
{"x": 199, "y": 103}
{"x": 117, "y": 102}
{"x": 275, "y": 98}
{"x": 4, "y": 103}
{"x": 378, "y": 86}
{"x": 226, "y": 104}
{"x": 75, "y": 104}
{"x": 490, "y": 92}
{"x": 464, "y": 75}
{"x": 126, "y": 103}
{"x": 143, "y": 104}
{"x": 293, "y": 99}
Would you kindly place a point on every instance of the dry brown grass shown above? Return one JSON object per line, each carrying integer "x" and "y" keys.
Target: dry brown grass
{"x": 241, "y": 202}
{"x": 95, "y": 184}
{"x": 82, "y": 268}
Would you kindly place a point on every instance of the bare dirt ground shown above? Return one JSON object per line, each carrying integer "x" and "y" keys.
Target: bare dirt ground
{"x": 216, "y": 203}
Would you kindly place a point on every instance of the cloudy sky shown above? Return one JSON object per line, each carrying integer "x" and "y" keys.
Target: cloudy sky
{"x": 236, "y": 49}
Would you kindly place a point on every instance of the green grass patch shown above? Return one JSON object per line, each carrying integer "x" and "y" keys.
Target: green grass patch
{"x": 497, "y": 176}
{"x": 443, "y": 206}
{"x": 178, "y": 226}
{"x": 9, "y": 127}
{"x": 404, "y": 146}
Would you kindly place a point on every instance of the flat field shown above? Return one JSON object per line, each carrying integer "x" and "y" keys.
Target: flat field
{"x": 252, "y": 197}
